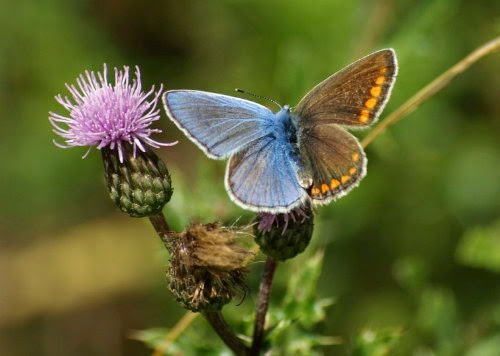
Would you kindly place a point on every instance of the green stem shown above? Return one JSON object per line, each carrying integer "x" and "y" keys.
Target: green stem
{"x": 220, "y": 326}
{"x": 263, "y": 304}
{"x": 160, "y": 224}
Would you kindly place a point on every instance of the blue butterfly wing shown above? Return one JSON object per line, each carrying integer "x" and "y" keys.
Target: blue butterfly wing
{"x": 263, "y": 177}
{"x": 220, "y": 125}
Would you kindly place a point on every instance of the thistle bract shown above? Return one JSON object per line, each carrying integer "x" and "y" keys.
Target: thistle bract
{"x": 284, "y": 236}
{"x": 140, "y": 185}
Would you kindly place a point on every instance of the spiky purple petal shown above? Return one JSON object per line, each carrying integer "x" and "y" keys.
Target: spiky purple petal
{"x": 267, "y": 220}
{"x": 105, "y": 115}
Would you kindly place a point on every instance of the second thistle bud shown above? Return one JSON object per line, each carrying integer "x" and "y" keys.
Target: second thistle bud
{"x": 284, "y": 236}
{"x": 140, "y": 185}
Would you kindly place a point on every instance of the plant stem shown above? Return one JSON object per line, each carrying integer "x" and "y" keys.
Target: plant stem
{"x": 220, "y": 326}
{"x": 432, "y": 88}
{"x": 161, "y": 226}
{"x": 263, "y": 304}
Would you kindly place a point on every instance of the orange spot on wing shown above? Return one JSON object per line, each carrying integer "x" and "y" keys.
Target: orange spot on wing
{"x": 383, "y": 70}
{"x": 344, "y": 179}
{"x": 352, "y": 171}
{"x": 370, "y": 103}
{"x": 334, "y": 184}
{"x": 315, "y": 191}
{"x": 355, "y": 157}
{"x": 364, "y": 116}
{"x": 375, "y": 91}
{"x": 324, "y": 188}
{"x": 380, "y": 80}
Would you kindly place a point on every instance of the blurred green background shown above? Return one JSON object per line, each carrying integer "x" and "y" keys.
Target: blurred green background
{"x": 415, "y": 248}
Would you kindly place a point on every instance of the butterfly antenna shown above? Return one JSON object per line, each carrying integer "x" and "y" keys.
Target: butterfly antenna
{"x": 258, "y": 96}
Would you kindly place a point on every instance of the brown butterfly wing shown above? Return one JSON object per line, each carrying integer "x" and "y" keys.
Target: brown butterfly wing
{"x": 354, "y": 96}
{"x": 335, "y": 159}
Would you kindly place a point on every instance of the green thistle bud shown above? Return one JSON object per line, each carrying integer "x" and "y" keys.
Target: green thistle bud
{"x": 207, "y": 267}
{"x": 284, "y": 236}
{"x": 139, "y": 184}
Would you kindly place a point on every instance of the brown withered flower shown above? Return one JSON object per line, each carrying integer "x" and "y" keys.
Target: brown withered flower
{"x": 207, "y": 266}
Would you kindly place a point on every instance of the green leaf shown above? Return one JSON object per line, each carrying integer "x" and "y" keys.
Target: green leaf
{"x": 301, "y": 300}
{"x": 376, "y": 342}
{"x": 480, "y": 247}
{"x": 293, "y": 323}
{"x": 438, "y": 316}
{"x": 487, "y": 347}
{"x": 411, "y": 273}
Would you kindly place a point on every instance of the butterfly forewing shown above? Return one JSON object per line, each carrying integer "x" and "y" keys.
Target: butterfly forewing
{"x": 354, "y": 96}
{"x": 262, "y": 177}
{"x": 219, "y": 124}
{"x": 336, "y": 161}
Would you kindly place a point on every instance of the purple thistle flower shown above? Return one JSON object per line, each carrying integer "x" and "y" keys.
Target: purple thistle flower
{"x": 268, "y": 220}
{"x": 102, "y": 114}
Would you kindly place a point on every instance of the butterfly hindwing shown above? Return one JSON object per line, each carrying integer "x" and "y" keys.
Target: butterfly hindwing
{"x": 262, "y": 177}
{"x": 336, "y": 161}
{"x": 354, "y": 96}
{"x": 219, "y": 124}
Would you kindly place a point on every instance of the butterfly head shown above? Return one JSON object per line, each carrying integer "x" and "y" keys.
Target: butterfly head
{"x": 284, "y": 113}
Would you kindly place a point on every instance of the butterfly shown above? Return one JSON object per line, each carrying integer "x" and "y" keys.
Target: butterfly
{"x": 279, "y": 160}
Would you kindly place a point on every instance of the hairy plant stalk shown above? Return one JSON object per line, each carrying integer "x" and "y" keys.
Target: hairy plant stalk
{"x": 160, "y": 224}
{"x": 220, "y": 326}
{"x": 432, "y": 88}
{"x": 263, "y": 304}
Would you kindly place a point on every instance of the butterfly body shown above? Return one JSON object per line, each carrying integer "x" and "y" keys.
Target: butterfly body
{"x": 279, "y": 160}
{"x": 283, "y": 127}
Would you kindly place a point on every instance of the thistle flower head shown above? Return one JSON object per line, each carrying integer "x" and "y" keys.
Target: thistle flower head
{"x": 103, "y": 114}
{"x": 268, "y": 220}
{"x": 284, "y": 236}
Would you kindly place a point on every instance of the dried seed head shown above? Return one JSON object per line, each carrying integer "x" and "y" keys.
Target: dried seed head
{"x": 207, "y": 267}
